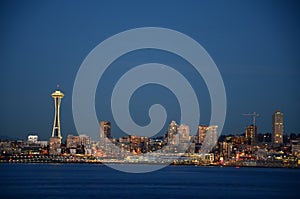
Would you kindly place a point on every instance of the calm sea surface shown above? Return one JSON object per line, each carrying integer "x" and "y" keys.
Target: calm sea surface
{"x": 99, "y": 181}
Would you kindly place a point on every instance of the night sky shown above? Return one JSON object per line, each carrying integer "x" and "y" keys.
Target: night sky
{"x": 255, "y": 45}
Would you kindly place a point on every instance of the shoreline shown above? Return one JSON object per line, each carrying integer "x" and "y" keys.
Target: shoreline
{"x": 144, "y": 163}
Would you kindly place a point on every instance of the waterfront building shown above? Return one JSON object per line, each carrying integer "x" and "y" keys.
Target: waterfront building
{"x": 54, "y": 146}
{"x": 32, "y": 138}
{"x": 277, "y": 127}
{"x": 85, "y": 140}
{"x": 43, "y": 143}
{"x": 79, "y": 144}
{"x": 11, "y": 147}
{"x": 73, "y": 141}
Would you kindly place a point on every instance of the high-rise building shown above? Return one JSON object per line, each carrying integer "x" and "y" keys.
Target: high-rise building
{"x": 182, "y": 142}
{"x": 172, "y": 131}
{"x": 211, "y": 139}
{"x": 201, "y": 133}
{"x": 211, "y": 135}
{"x": 277, "y": 127}
{"x": 105, "y": 130}
{"x": 251, "y": 134}
{"x": 199, "y": 139}
{"x": 183, "y": 132}
{"x": 57, "y": 96}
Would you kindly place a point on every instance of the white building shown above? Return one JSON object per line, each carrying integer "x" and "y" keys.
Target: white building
{"x": 183, "y": 133}
{"x": 32, "y": 138}
{"x": 211, "y": 138}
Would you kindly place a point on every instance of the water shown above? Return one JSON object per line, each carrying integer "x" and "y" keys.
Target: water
{"x": 99, "y": 181}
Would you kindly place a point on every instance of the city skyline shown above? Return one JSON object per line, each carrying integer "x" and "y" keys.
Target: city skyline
{"x": 149, "y": 99}
{"x": 177, "y": 146}
{"x": 250, "y": 133}
{"x": 57, "y": 95}
{"x": 254, "y": 47}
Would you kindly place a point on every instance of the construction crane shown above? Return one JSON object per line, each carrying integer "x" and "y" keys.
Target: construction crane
{"x": 254, "y": 115}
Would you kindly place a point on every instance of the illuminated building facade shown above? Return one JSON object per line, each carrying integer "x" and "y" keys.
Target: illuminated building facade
{"x": 54, "y": 146}
{"x": 201, "y": 133}
{"x": 172, "y": 131}
{"x": 85, "y": 140}
{"x": 211, "y": 138}
{"x": 183, "y": 132}
{"x": 105, "y": 130}
{"x": 57, "y": 96}
{"x": 32, "y": 138}
{"x": 55, "y": 140}
{"x": 73, "y": 141}
{"x": 251, "y": 134}
{"x": 277, "y": 127}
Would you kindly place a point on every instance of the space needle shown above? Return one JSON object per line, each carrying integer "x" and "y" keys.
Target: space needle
{"x": 57, "y": 96}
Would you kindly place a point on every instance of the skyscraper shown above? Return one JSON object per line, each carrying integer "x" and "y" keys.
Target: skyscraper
{"x": 183, "y": 133}
{"x": 172, "y": 131}
{"x": 183, "y": 141}
{"x": 212, "y": 134}
{"x": 105, "y": 130}
{"x": 277, "y": 127}
{"x": 211, "y": 138}
{"x": 201, "y": 133}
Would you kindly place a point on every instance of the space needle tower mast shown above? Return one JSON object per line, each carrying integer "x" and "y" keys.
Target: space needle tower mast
{"x": 57, "y": 96}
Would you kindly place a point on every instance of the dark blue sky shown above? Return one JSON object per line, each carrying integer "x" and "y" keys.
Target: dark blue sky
{"x": 255, "y": 45}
